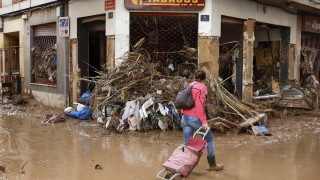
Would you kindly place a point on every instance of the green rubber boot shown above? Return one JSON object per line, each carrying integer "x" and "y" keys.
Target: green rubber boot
{"x": 213, "y": 165}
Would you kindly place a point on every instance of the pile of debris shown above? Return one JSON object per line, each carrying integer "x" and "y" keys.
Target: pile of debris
{"x": 45, "y": 63}
{"x": 303, "y": 95}
{"x": 294, "y": 95}
{"x": 309, "y": 83}
{"x": 138, "y": 96}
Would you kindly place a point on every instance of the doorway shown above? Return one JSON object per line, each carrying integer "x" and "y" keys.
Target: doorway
{"x": 10, "y": 61}
{"x": 267, "y": 58}
{"x": 231, "y": 53}
{"x": 92, "y": 48}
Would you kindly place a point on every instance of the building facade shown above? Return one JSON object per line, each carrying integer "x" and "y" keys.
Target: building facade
{"x": 33, "y": 53}
{"x": 252, "y": 43}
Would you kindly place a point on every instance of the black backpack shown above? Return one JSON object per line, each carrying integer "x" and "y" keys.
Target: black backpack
{"x": 184, "y": 99}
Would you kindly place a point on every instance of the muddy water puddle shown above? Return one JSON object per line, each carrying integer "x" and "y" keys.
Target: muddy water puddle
{"x": 31, "y": 151}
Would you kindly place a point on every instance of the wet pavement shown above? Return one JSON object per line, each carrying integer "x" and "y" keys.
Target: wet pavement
{"x": 29, "y": 150}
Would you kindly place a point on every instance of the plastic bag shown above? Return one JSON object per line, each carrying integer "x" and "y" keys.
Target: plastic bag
{"x": 73, "y": 114}
{"x": 80, "y": 107}
{"x": 85, "y": 114}
{"x": 68, "y": 109}
{"x": 85, "y": 98}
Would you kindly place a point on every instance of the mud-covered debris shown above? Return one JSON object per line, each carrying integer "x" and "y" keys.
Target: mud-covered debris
{"x": 2, "y": 168}
{"x": 54, "y": 119}
{"x": 98, "y": 167}
{"x": 293, "y": 98}
{"x": 21, "y": 170}
{"x": 147, "y": 90}
{"x": 13, "y": 111}
{"x": 20, "y": 99}
{"x": 309, "y": 81}
{"x": 48, "y": 116}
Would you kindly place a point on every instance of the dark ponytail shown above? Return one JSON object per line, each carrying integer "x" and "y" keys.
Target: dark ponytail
{"x": 200, "y": 74}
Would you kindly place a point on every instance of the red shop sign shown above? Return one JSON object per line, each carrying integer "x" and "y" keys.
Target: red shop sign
{"x": 310, "y": 24}
{"x": 109, "y": 5}
{"x": 165, "y": 4}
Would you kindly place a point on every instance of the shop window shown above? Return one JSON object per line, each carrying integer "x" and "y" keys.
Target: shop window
{"x": 168, "y": 39}
{"x": 44, "y": 54}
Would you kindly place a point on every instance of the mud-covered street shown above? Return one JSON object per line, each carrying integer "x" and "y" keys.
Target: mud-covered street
{"x": 79, "y": 149}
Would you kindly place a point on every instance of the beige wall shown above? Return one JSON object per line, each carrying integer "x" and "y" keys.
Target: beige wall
{"x": 248, "y": 42}
{"x": 21, "y": 35}
{"x": 50, "y": 99}
{"x": 74, "y": 72}
{"x": 13, "y": 29}
{"x": 209, "y": 54}
{"x": 78, "y": 9}
{"x": 8, "y": 7}
{"x": 13, "y": 24}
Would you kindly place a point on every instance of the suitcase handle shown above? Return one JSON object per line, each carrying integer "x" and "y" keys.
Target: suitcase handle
{"x": 201, "y": 133}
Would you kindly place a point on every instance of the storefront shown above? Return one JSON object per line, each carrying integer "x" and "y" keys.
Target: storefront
{"x": 170, "y": 33}
{"x": 87, "y": 44}
{"x": 45, "y": 57}
{"x": 222, "y": 35}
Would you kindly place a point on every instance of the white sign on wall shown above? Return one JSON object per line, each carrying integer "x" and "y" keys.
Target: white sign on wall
{"x": 64, "y": 27}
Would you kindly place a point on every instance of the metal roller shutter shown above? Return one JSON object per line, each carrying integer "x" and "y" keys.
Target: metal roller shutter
{"x": 45, "y": 30}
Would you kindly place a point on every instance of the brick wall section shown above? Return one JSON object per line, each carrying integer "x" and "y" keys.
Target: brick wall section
{"x": 16, "y": 1}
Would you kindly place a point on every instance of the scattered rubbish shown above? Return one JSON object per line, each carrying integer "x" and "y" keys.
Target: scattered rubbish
{"x": 267, "y": 96}
{"x": 261, "y": 130}
{"x": 309, "y": 81}
{"x": 21, "y": 170}
{"x": 138, "y": 95}
{"x": 16, "y": 111}
{"x": 86, "y": 98}
{"x": 293, "y": 98}
{"x": 85, "y": 114}
{"x": 98, "y": 167}
{"x": 20, "y": 99}
{"x": 68, "y": 109}
{"x": 80, "y": 106}
{"x": 2, "y": 168}
{"x": 54, "y": 119}
{"x": 45, "y": 68}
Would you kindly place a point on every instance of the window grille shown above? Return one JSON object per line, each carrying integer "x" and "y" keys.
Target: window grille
{"x": 44, "y": 60}
{"x": 168, "y": 37}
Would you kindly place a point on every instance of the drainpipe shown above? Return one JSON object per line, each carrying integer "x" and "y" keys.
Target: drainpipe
{"x": 66, "y": 63}
{"x": 66, "y": 68}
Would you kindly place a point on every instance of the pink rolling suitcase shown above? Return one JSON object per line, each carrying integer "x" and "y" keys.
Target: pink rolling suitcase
{"x": 184, "y": 158}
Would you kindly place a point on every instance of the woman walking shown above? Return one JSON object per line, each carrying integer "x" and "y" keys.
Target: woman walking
{"x": 194, "y": 118}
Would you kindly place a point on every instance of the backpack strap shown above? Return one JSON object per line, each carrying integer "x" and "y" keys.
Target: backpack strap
{"x": 195, "y": 88}
{"x": 194, "y": 84}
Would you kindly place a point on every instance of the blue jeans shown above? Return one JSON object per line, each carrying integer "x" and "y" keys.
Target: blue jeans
{"x": 191, "y": 124}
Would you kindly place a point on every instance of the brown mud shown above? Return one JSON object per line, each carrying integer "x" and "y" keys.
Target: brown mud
{"x": 83, "y": 150}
